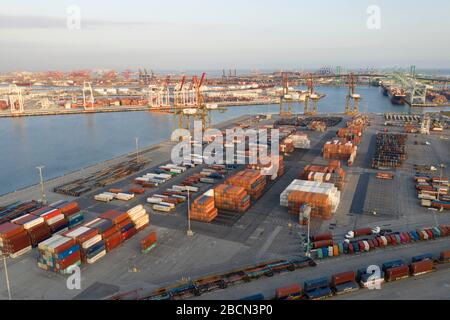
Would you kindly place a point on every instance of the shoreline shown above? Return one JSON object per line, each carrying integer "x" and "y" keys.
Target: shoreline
{"x": 154, "y": 151}
{"x": 163, "y": 110}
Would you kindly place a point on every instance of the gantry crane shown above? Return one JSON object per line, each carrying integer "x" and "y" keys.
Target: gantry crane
{"x": 201, "y": 106}
{"x": 285, "y": 92}
{"x": 311, "y": 95}
{"x": 352, "y": 108}
{"x": 89, "y": 99}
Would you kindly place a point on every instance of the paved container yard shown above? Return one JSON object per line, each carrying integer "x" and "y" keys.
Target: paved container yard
{"x": 263, "y": 233}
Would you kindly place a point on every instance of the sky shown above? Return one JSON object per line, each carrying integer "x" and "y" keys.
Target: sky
{"x": 213, "y": 34}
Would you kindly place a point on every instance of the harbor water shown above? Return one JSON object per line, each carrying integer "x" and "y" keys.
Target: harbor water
{"x": 70, "y": 142}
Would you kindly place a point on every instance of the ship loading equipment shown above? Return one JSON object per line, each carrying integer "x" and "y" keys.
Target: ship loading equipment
{"x": 192, "y": 106}
{"x": 289, "y": 112}
{"x": 352, "y": 102}
{"x": 311, "y": 95}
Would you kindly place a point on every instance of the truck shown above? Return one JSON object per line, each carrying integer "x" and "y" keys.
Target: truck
{"x": 421, "y": 267}
{"x": 397, "y": 273}
{"x": 292, "y": 291}
{"x": 344, "y": 282}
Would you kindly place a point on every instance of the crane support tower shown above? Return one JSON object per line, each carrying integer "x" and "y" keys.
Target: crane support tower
{"x": 16, "y": 101}
{"x": 311, "y": 95}
{"x": 284, "y": 94}
{"x": 89, "y": 99}
{"x": 352, "y": 103}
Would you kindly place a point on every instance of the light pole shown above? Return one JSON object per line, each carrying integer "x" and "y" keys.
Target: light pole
{"x": 137, "y": 149}
{"x": 43, "y": 197}
{"x": 189, "y": 231}
{"x": 308, "y": 254}
{"x": 442, "y": 166}
{"x": 6, "y": 276}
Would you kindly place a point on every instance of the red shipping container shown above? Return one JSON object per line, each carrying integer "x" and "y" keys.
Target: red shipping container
{"x": 445, "y": 255}
{"x": 397, "y": 273}
{"x": 322, "y": 244}
{"x": 16, "y": 243}
{"x": 282, "y": 293}
{"x": 421, "y": 267}
{"x": 124, "y": 223}
{"x": 39, "y": 233}
{"x": 351, "y": 250}
{"x": 148, "y": 241}
{"x": 322, "y": 237}
{"x": 376, "y": 243}
{"x": 70, "y": 260}
{"x": 393, "y": 240}
{"x": 114, "y": 216}
{"x": 8, "y": 230}
{"x": 361, "y": 246}
{"x": 58, "y": 224}
{"x": 130, "y": 233}
{"x": 343, "y": 277}
{"x": 113, "y": 241}
{"x": 363, "y": 232}
{"x": 47, "y": 213}
{"x": 69, "y": 244}
{"x": 108, "y": 233}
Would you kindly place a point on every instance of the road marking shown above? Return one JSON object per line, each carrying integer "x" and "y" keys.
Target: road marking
{"x": 269, "y": 241}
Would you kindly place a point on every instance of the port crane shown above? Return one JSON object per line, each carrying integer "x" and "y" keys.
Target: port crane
{"x": 285, "y": 92}
{"x": 352, "y": 100}
{"x": 311, "y": 95}
{"x": 88, "y": 96}
{"x": 14, "y": 98}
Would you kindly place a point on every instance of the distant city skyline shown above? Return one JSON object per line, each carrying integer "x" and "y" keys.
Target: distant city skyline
{"x": 213, "y": 35}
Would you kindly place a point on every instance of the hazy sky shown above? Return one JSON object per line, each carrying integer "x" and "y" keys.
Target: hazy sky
{"x": 210, "y": 34}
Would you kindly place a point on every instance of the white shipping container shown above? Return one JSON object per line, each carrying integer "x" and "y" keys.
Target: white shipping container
{"x": 89, "y": 243}
{"x": 161, "y": 208}
{"x": 154, "y": 200}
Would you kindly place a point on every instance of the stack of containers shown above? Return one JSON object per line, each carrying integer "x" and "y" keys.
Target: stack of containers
{"x": 231, "y": 198}
{"x": 251, "y": 180}
{"x": 300, "y": 141}
{"x": 274, "y": 167}
{"x": 352, "y": 134}
{"x": 36, "y": 227}
{"x": 320, "y": 204}
{"x": 14, "y": 240}
{"x": 111, "y": 235}
{"x": 319, "y": 126}
{"x": 332, "y": 173}
{"x": 203, "y": 209}
{"x": 340, "y": 149}
{"x": 90, "y": 241}
{"x": 54, "y": 218}
{"x": 287, "y": 146}
{"x": 59, "y": 254}
{"x": 312, "y": 187}
{"x": 71, "y": 212}
{"x": 140, "y": 217}
{"x": 390, "y": 150}
{"x": 16, "y": 210}
{"x": 122, "y": 222}
{"x": 149, "y": 242}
